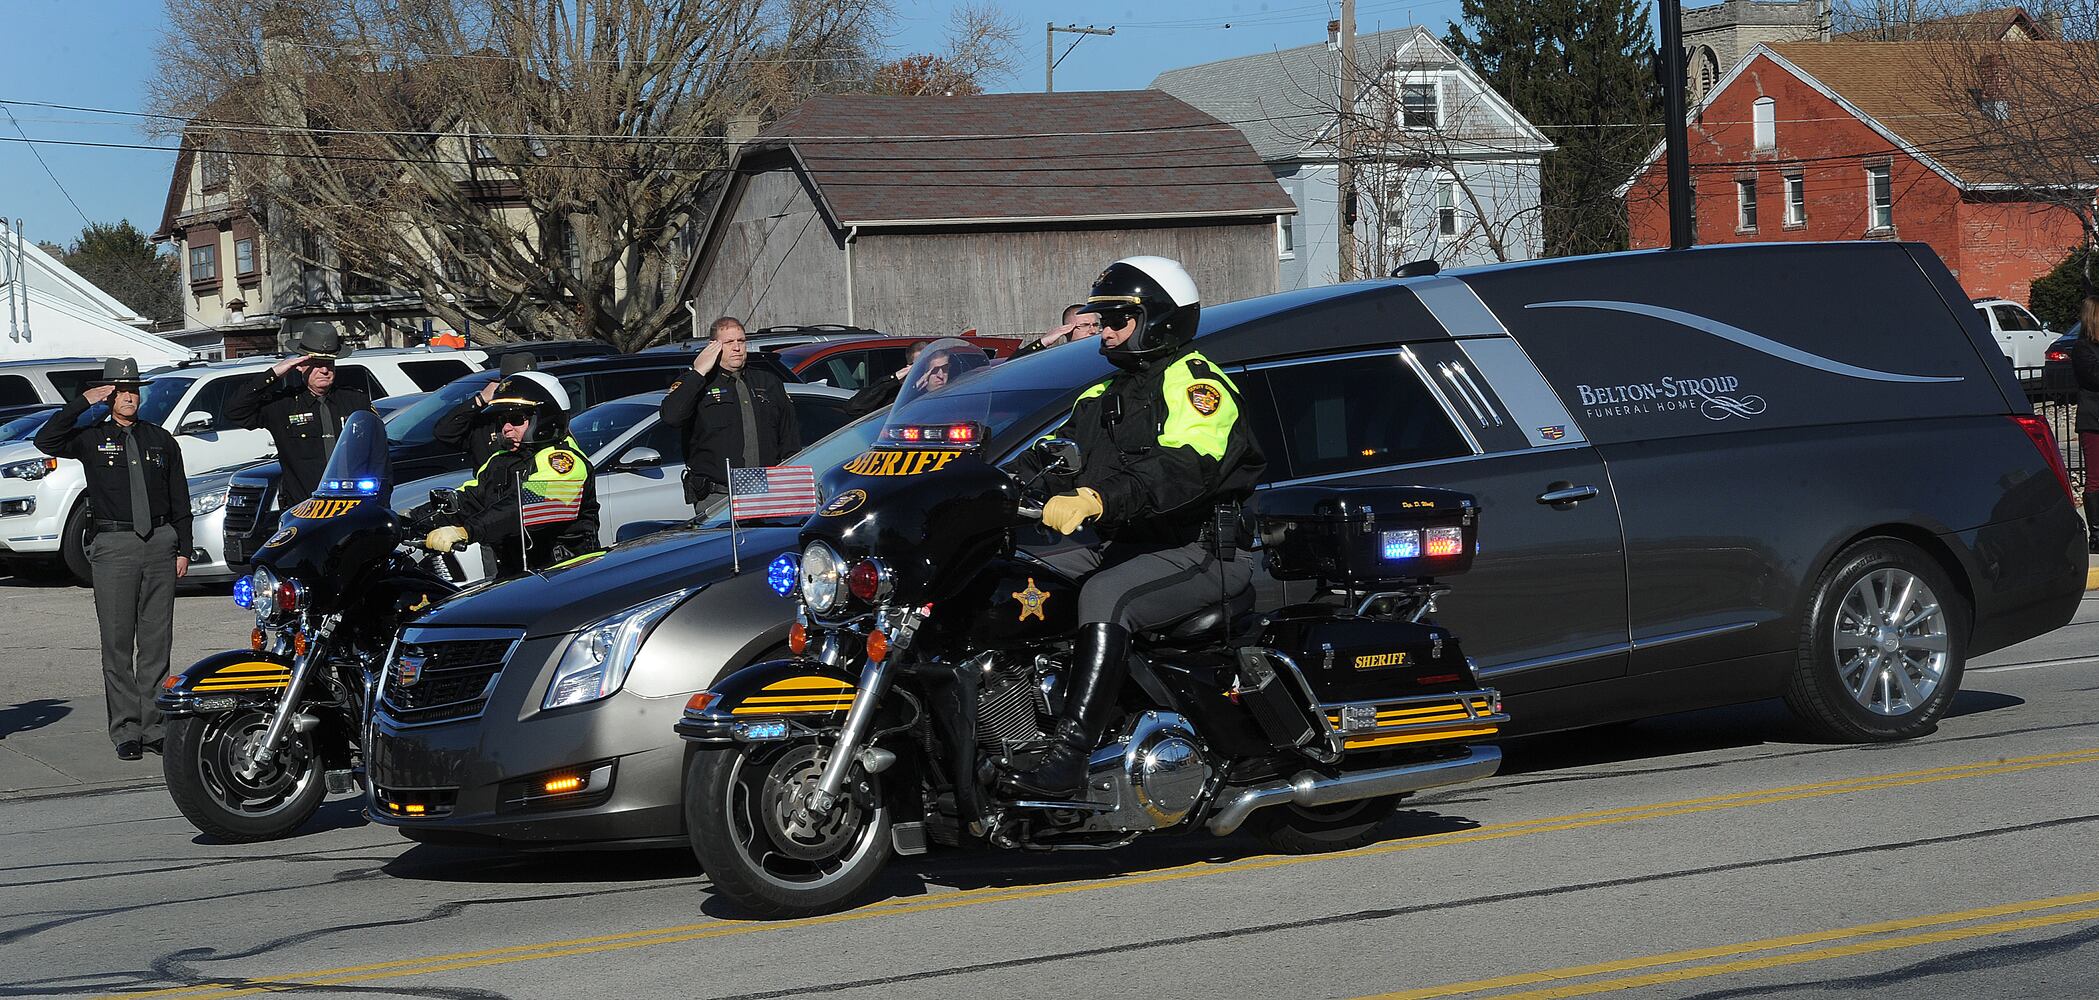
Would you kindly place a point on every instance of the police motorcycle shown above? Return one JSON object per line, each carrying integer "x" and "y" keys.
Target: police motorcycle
{"x": 256, "y": 737}
{"x": 929, "y": 651}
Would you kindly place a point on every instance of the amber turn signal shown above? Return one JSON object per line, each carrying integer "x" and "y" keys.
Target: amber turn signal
{"x": 797, "y": 638}
{"x": 565, "y": 783}
{"x": 255, "y": 640}
{"x": 877, "y": 646}
{"x": 298, "y": 644}
{"x": 701, "y": 702}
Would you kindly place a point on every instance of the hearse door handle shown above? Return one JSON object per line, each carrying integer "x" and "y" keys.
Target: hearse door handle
{"x": 1564, "y": 495}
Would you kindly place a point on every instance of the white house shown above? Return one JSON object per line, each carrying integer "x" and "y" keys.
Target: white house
{"x": 47, "y": 311}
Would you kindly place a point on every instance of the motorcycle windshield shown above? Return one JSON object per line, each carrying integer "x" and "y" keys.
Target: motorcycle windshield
{"x": 358, "y": 467}
{"x": 933, "y": 405}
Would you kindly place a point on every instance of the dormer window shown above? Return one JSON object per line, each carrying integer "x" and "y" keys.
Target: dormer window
{"x": 1419, "y": 105}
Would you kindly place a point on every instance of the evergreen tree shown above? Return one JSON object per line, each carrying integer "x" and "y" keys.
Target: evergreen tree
{"x": 120, "y": 260}
{"x": 2057, "y": 297}
{"x": 1587, "y": 67}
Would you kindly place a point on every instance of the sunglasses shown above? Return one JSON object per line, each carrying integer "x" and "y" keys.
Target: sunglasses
{"x": 936, "y": 369}
{"x": 517, "y": 420}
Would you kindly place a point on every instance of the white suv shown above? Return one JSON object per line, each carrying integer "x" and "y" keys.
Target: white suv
{"x": 2021, "y": 337}
{"x": 42, "y": 513}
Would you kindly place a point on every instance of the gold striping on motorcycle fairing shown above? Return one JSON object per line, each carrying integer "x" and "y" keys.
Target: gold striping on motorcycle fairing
{"x": 682, "y": 933}
{"x": 255, "y": 675}
{"x": 799, "y": 696}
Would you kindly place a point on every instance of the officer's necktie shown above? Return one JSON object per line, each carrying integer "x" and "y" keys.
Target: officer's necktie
{"x": 141, "y": 508}
{"x": 326, "y": 415}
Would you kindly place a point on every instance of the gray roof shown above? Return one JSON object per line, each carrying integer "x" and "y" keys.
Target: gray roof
{"x": 1284, "y": 100}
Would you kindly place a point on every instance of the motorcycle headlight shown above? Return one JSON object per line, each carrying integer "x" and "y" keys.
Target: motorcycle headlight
{"x": 823, "y": 576}
{"x": 264, "y": 589}
{"x": 206, "y": 503}
{"x": 33, "y": 469}
{"x": 596, "y": 661}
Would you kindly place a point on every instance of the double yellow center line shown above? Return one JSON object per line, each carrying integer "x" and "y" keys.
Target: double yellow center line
{"x": 983, "y": 897}
{"x": 1864, "y": 939}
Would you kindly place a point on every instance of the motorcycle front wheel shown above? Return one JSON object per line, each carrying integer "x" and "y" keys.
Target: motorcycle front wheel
{"x": 743, "y": 814}
{"x": 201, "y": 759}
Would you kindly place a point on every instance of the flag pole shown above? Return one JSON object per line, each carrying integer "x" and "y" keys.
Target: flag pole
{"x": 735, "y": 546}
{"x": 524, "y": 542}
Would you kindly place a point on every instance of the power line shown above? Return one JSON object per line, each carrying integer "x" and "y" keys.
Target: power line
{"x": 47, "y": 167}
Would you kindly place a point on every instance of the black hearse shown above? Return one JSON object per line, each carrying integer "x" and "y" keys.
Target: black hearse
{"x": 1706, "y": 477}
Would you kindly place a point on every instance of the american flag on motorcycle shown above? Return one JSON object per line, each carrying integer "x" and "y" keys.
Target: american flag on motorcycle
{"x": 774, "y": 491}
{"x": 540, "y": 502}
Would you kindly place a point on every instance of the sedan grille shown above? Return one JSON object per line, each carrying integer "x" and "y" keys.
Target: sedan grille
{"x": 442, "y": 681}
{"x": 243, "y": 510}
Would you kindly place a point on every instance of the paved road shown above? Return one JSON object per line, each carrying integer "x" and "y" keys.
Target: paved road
{"x": 1705, "y": 855}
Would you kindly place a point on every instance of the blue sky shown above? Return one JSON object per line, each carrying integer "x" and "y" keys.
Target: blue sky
{"x": 99, "y": 54}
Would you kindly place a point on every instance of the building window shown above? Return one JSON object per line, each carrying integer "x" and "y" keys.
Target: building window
{"x": 1765, "y": 123}
{"x": 1286, "y": 236}
{"x": 1880, "y": 195}
{"x": 244, "y": 256}
{"x": 477, "y": 148}
{"x": 1419, "y": 105}
{"x": 1745, "y": 206}
{"x": 213, "y": 168}
{"x": 1796, "y": 200}
{"x": 1447, "y": 210}
{"x": 203, "y": 263}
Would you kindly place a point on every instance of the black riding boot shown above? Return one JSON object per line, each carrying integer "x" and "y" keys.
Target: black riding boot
{"x": 2091, "y": 522}
{"x": 1099, "y": 665}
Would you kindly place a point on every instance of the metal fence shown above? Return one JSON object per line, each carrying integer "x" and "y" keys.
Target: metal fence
{"x": 2057, "y": 405}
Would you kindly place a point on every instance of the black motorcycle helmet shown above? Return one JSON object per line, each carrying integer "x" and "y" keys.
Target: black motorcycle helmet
{"x": 1159, "y": 293}
{"x": 539, "y": 395}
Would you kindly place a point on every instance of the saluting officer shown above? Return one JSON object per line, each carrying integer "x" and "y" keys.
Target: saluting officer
{"x": 299, "y": 404}
{"x": 728, "y": 414}
{"x": 471, "y": 426}
{"x": 1166, "y": 461}
{"x": 139, "y": 496}
{"x": 540, "y": 484}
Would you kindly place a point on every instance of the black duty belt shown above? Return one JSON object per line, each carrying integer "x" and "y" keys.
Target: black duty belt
{"x": 102, "y": 525}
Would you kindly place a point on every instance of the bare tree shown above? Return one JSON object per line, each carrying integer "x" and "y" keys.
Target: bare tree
{"x": 2021, "y": 119}
{"x": 525, "y": 166}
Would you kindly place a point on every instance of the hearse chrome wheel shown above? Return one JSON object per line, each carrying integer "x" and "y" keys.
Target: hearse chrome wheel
{"x": 746, "y": 815}
{"x": 1890, "y": 642}
{"x": 1881, "y": 647}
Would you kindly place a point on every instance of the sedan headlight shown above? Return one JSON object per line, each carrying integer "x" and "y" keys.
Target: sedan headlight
{"x": 596, "y": 661}
{"x": 206, "y": 503}
{"x": 823, "y": 575}
{"x": 32, "y": 469}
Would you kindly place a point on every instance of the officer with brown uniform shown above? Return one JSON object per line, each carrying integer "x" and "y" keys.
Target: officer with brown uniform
{"x": 140, "y": 499}
{"x": 299, "y": 404}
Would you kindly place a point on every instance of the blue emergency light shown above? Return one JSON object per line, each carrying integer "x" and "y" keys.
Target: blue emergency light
{"x": 785, "y": 573}
{"x": 244, "y": 591}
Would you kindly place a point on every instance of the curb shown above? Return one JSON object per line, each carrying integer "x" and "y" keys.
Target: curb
{"x": 2091, "y": 578}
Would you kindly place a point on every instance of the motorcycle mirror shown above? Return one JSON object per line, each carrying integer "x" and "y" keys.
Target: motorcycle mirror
{"x": 444, "y": 499}
{"x": 1061, "y": 455}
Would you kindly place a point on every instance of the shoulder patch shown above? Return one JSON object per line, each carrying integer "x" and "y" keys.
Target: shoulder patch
{"x": 561, "y": 462}
{"x": 1206, "y": 398}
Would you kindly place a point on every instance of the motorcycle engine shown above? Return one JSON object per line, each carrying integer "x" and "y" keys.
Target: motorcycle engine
{"x": 1012, "y": 706}
{"x": 1152, "y": 777}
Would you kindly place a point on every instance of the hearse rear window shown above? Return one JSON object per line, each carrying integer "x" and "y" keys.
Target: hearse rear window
{"x": 1322, "y": 418}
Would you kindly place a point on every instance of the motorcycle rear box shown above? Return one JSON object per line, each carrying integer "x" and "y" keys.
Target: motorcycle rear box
{"x": 1359, "y": 537}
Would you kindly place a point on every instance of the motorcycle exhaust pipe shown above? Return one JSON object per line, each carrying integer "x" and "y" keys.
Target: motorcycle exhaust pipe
{"x": 1309, "y": 788}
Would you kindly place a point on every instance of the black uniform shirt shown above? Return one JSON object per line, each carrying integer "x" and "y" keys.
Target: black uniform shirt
{"x": 292, "y": 414}
{"x": 99, "y": 448}
{"x": 708, "y": 412}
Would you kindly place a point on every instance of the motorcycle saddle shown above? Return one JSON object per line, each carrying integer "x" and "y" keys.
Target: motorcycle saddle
{"x": 1209, "y": 623}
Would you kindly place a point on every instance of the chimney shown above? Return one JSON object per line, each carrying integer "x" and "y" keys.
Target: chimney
{"x": 2052, "y": 26}
{"x": 1333, "y": 36}
{"x": 1994, "y": 74}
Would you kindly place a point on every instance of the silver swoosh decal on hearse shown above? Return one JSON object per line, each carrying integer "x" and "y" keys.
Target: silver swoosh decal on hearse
{"x": 1737, "y": 335}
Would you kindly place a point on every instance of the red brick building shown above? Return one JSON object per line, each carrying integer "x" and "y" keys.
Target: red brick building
{"x": 1852, "y": 140}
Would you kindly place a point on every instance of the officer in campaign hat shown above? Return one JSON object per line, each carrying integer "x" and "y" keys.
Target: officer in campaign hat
{"x": 536, "y": 502}
{"x": 472, "y": 426}
{"x": 139, "y": 542}
{"x": 300, "y": 405}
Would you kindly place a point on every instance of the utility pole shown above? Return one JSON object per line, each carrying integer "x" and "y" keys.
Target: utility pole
{"x": 1049, "y": 49}
{"x": 1345, "y": 144}
{"x": 1675, "y": 140}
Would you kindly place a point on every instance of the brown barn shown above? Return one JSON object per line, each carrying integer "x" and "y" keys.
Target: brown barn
{"x": 927, "y": 215}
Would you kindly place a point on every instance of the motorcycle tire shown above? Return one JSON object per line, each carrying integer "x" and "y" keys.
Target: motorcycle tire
{"x": 735, "y": 817}
{"x": 1295, "y": 829}
{"x": 197, "y": 760}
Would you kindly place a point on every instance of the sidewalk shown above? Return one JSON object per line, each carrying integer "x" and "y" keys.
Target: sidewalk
{"x": 54, "y": 730}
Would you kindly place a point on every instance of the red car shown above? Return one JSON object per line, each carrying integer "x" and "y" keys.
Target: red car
{"x": 850, "y": 364}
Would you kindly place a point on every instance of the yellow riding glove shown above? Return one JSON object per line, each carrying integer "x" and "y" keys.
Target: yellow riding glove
{"x": 1064, "y": 514}
{"x": 442, "y": 539}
